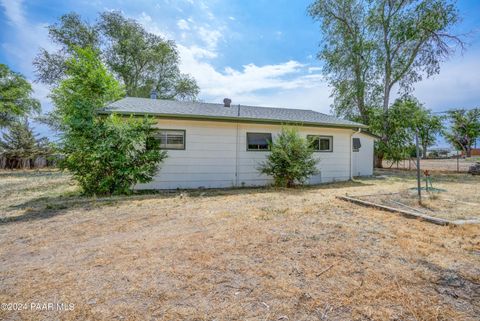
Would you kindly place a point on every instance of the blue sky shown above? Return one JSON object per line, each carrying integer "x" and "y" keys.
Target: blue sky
{"x": 255, "y": 52}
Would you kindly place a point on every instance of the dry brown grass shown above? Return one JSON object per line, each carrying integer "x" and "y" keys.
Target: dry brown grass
{"x": 250, "y": 254}
{"x": 454, "y": 197}
{"x": 445, "y": 165}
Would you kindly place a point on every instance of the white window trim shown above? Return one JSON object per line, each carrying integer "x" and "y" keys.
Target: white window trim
{"x": 330, "y": 138}
{"x": 174, "y": 130}
{"x": 258, "y": 150}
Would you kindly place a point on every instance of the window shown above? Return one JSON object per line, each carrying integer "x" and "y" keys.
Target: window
{"x": 171, "y": 138}
{"x": 258, "y": 141}
{"x": 356, "y": 144}
{"x": 321, "y": 143}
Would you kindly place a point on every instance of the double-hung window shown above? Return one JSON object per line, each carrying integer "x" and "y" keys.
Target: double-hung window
{"x": 321, "y": 143}
{"x": 171, "y": 138}
{"x": 258, "y": 141}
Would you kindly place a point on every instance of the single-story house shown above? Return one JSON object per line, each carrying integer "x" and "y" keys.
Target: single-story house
{"x": 221, "y": 145}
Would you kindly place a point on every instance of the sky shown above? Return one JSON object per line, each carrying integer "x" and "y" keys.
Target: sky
{"x": 256, "y": 52}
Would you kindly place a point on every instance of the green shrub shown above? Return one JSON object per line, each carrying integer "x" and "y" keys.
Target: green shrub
{"x": 106, "y": 155}
{"x": 124, "y": 153}
{"x": 291, "y": 159}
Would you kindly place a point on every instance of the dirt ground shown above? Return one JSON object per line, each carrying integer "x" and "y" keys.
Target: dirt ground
{"x": 449, "y": 165}
{"x": 248, "y": 254}
{"x": 454, "y": 197}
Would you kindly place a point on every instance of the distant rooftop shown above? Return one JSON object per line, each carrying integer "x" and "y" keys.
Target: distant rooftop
{"x": 210, "y": 111}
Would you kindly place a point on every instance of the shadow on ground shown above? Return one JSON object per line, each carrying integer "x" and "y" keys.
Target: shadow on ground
{"x": 29, "y": 173}
{"x": 453, "y": 286}
{"x": 48, "y": 207}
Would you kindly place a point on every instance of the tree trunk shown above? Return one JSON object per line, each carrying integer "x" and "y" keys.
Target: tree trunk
{"x": 360, "y": 91}
{"x": 386, "y": 100}
{"x": 424, "y": 151}
{"x": 361, "y": 108}
{"x": 379, "y": 160}
{"x": 469, "y": 151}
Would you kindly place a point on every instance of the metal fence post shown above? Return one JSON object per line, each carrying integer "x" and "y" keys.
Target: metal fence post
{"x": 418, "y": 168}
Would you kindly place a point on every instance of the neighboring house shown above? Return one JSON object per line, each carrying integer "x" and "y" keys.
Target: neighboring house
{"x": 222, "y": 145}
{"x": 440, "y": 152}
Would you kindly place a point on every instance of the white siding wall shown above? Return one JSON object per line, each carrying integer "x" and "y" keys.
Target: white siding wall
{"x": 211, "y": 157}
{"x": 362, "y": 161}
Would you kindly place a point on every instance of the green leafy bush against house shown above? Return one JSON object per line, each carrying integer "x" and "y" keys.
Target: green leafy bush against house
{"x": 291, "y": 159}
{"x": 106, "y": 155}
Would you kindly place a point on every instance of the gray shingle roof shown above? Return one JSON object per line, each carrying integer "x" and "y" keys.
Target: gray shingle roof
{"x": 181, "y": 109}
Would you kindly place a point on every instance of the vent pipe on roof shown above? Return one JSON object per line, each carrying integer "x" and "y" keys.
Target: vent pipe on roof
{"x": 227, "y": 102}
{"x": 153, "y": 94}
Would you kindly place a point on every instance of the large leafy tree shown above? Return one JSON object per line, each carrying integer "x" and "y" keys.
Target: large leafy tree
{"x": 465, "y": 129}
{"x": 142, "y": 61}
{"x": 15, "y": 96}
{"x": 348, "y": 50}
{"x": 413, "y": 38}
{"x": 402, "y": 42}
{"x": 67, "y": 34}
{"x": 105, "y": 155}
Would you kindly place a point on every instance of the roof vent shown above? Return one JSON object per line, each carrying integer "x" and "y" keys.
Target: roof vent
{"x": 153, "y": 94}
{"x": 227, "y": 102}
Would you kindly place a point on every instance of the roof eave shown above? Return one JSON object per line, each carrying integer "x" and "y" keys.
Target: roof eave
{"x": 233, "y": 119}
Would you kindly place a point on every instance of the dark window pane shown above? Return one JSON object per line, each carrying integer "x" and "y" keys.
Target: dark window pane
{"x": 171, "y": 139}
{"x": 258, "y": 141}
{"x": 320, "y": 143}
{"x": 356, "y": 143}
{"x": 324, "y": 144}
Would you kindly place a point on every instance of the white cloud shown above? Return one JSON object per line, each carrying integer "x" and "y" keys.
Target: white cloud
{"x": 23, "y": 48}
{"x": 457, "y": 85}
{"x": 201, "y": 53}
{"x": 151, "y": 26}
{"x": 246, "y": 85}
{"x": 314, "y": 69}
{"x": 13, "y": 11}
{"x": 210, "y": 37}
{"x": 315, "y": 98}
{"x": 286, "y": 84}
{"x": 183, "y": 24}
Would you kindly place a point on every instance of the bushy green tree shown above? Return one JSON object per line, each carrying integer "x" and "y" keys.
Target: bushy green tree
{"x": 372, "y": 47}
{"x": 141, "y": 60}
{"x": 406, "y": 117}
{"x": 465, "y": 129}
{"x": 291, "y": 159}
{"x": 125, "y": 153}
{"x": 106, "y": 155}
{"x": 348, "y": 52}
{"x": 20, "y": 146}
{"x": 429, "y": 127}
{"x": 15, "y": 96}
